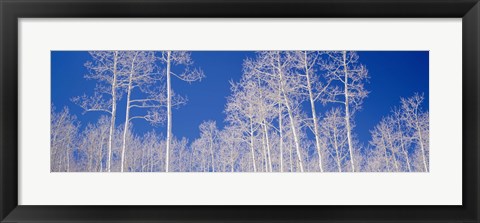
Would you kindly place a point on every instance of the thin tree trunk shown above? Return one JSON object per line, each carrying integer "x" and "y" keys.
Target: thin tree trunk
{"x": 290, "y": 115}
{"x": 211, "y": 152}
{"x": 251, "y": 146}
{"x": 280, "y": 124}
{"x": 386, "y": 154}
{"x": 395, "y": 161}
{"x": 403, "y": 146}
{"x": 231, "y": 158}
{"x": 337, "y": 155}
{"x": 204, "y": 163}
{"x": 314, "y": 114}
{"x": 393, "y": 153}
{"x": 169, "y": 112}
{"x": 142, "y": 160}
{"x": 180, "y": 160}
{"x": 268, "y": 146}
{"x": 54, "y": 142}
{"x": 151, "y": 159}
{"x": 54, "y": 156}
{"x": 291, "y": 158}
{"x": 90, "y": 160}
{"x": 100, "y": 153}
{"x": 420, "y": 139}
{"x": 191, "y": 159}
{"x": 127, "y": 112}
{"x": 406, "y": 157}
{"x": 134, "y": 163}
{"x": 150, "y": 163}
{"x": 101, "y": 160}
{"x": 265, "y": 162}
{"x": 295, "y": 137}
{"x": 54, "y": 149}
{"x": 113, "y": 111}
{"x": 347, "y": 112}
{"x": 68, "y": 156}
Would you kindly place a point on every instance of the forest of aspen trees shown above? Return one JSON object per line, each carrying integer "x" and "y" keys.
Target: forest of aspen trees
{"x": 291, "y": 111}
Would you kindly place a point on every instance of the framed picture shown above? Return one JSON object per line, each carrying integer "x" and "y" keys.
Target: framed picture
{"x": 223, "y": 111}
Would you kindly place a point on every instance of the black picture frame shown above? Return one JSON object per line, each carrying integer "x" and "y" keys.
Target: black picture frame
{"x": 11, "y": 11}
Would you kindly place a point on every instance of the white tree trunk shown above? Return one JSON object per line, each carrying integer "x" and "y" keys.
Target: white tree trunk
{"x": 232, "y": 160}
{"x": 127, "y": 114}
{"x": 314, "y": 114}
{"x": 268, "y": 146}
{"x": 54, "y": 142}
{"x": 100, "y": 153}
{"x": 150, "y": 159}
{"x": 347, "y": 112}
{"x": 280, "y": 124}
{"x": 406, "y": 157}
{"x": 403, "y": 146}
{"x": 294, "y": 132}
{"x": 113, "y": 111}
{"x": 251, "y": 146}
{"x": 290, "y": 115}
{"x": 142, "y": 161}
{"x": 211, "y": 153}
{"x": 395, "y": 162}
{"x": 169, "y": 112}
{"x": 265, "y": 163}
{"x": 67, "y": 155}
{"x": 420, "y": 139}
{"x": 386, "y": 154}
{"x": 90, "y": 159}
{"x": 390, "y": 140}
{"x": 291, "y": 158}
{"x": 337, "y": 155}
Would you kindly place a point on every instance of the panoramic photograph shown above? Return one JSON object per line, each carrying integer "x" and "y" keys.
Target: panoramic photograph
{"x": 239, "y": 111}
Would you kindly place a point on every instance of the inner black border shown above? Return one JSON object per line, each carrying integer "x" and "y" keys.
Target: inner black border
{"x": 12, "y": 10}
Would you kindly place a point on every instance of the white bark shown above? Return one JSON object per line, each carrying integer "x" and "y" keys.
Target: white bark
{"x": 264, "y": 148}
{"x": 100, "y": 154}
{"x": 169, "y": 112}
{"x": 402, "y": 144}
{"x": 420, "y": 141}
{"x": 390, "y": 142}
{"x": 176, "y": 58}
{"x": 290, "y": 115}
{"x": 386, "y": 154}
{"x": 113, "y": 111}
{"x": 268, "y": 146}
{"x": 291, "y": 158}
{"x": 212, "y": 155}
{"x": 347, "y": 112}
{"x": 337, "y": 151}
{"x": 252, "y": 147}
{"x": 280, "y": 127}
{"x": 67, "y": 155}
{"x": 127, "y": 113}
{"x": 232, "y": 160}
{"x": 412, "y": 114}
{"x": 314, "y": 113}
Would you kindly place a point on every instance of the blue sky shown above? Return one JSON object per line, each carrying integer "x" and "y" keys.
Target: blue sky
{"x": 393, "y": 74}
